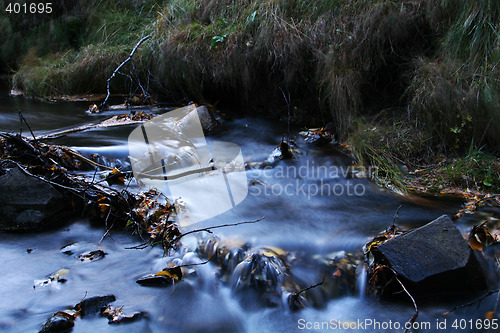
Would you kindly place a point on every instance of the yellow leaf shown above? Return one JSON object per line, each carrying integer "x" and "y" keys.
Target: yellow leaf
{"x": 164, "y": 273}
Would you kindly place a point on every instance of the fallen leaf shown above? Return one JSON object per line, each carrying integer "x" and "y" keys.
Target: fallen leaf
{"x": 489, "y": 315}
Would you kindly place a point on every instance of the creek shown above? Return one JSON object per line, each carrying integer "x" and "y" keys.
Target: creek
{"x": 299, "y": 219}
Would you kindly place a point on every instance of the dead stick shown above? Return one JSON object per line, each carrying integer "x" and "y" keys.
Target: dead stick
{"x": 29, "y": 127}
{"x": 149, "y": 243}
{"x": 415, "y": 315}
{"x": 84, "y": 159}
{"x": 219, "y": 226}
{"x": 120, "y": 66}
{"x": 187, "y": 265}
{"x": 310, "y": 287}
{"x": 491, "y": 292}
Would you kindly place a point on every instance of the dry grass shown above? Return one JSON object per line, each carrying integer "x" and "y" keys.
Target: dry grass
{"x": 433, "y": 64}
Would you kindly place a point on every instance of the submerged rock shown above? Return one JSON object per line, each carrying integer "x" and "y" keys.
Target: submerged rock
{"x": 431, "y": 259}
{"x": 92, "y": 255}
{"x": 209, "y": 121}
{"x": 28, "y": 203}
{"x": 59, "y": 322}
{"x": 94, "y": 305}
{"x": 259, "y": 279}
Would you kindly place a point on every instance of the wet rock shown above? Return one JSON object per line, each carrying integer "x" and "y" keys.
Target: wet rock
{"x": 208, "y": 120}
{"x": 28, "y": 203}
{"x": 59, "y": 322}
{"x": 55, "y": 279}
{"x": 155, "y": 280}
{"x": 92, "y": 255}
{"x": 94, "y": 305}
{"x": 286, "y": 150}
{"x": 258, "y": 279}
{"x": 431, "y": 259}
{"x": 226, "y": 254}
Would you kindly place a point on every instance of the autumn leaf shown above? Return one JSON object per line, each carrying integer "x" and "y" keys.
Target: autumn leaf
{"x": 115, "y": 177}
{"x": 104, "y": 207}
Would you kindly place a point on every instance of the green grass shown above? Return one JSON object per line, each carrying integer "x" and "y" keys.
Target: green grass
{"x": 476, "y": 170}
{"x": 75, "y": 52}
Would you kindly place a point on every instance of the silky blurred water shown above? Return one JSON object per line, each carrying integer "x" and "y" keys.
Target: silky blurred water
{"x": 297, "y": 219}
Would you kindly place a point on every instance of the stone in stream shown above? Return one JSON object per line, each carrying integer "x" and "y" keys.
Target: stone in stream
{"x": 258, "y": 279}
{"x": 429, "y": 260}
{"x": 28, "y": 203}
{"x": 209, "y": 121}
{"x": 94, "y": 305}
{"x": 59, "y": 322}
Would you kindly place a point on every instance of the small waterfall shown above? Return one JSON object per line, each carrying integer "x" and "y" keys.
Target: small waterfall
{"x": 361, "y": 280}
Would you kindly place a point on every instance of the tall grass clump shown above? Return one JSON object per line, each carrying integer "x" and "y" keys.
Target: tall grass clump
{"x": 329, "y": 56}
{"x": 455, "y": 93}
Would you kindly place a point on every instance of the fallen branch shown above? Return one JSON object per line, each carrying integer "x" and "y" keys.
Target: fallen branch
{"x": 111, "y": 122}
{"x": 84, "y": 159}
{"x": 103, "y": 104}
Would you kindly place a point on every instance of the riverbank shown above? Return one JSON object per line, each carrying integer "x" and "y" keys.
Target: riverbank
{"x": 407, "y": 85}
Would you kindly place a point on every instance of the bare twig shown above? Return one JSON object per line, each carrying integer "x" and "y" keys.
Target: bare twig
{"x": 188, "y": 265}
{"x": 219, "y": 226}
{"x": 29, "y": 127}
{"x": 489, "y": 293}
{"x": 396, "y": 214}
{"x": 103, "y": 104}
{"x": 308, "y": 288}
{"x": 415, "y": 315}
{"x": 176, "y": 239}
{"x": 288, "y": 105}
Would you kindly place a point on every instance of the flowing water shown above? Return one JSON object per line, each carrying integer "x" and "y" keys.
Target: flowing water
{"x": 299, "y": 221}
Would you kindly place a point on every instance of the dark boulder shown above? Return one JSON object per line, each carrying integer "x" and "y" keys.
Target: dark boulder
{"x": 209, "y": 121}
{"x": 94, "y": 305}
{"x": 429, "y": 260}
{"x": 28, "y": 203}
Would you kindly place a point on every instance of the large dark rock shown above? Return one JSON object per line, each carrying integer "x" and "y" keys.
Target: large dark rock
{"x": 434, "y": 258}
{"x": 28, "y": 203}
